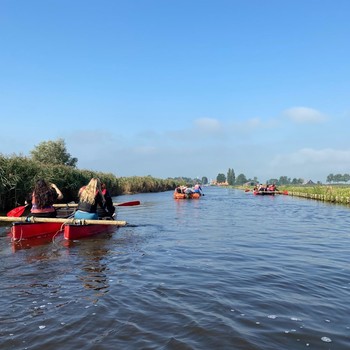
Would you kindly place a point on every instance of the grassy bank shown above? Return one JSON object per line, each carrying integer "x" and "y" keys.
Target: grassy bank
{"x": 326, "y": 193}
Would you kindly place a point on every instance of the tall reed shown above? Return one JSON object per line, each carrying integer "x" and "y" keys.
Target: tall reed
{"x": 18, "y": 174}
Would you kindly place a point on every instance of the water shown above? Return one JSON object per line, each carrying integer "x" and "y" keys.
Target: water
{"x": 228, "y": 271}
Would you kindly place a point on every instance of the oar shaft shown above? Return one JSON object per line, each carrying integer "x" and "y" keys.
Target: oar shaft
{"x": 74, "y": 205}
{"x": 63, "y": 221}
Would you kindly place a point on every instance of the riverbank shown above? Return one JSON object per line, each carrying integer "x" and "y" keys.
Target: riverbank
{"x": 326, "y": 193}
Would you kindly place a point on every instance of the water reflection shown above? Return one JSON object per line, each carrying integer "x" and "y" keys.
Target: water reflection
{"x": 92, "y": 253}
{"x": 35, "y": 242}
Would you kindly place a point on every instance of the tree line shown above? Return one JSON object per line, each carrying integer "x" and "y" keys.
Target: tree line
{"x": 231, "y": 179}
{"x": 241, "y": 179}
{"x": 338, "y": 178}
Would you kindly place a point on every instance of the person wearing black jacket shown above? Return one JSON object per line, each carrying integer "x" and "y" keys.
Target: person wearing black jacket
{"x": 90, "y": 198}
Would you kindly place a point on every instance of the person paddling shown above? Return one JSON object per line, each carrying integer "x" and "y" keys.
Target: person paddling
{"x": 108, "y": 209}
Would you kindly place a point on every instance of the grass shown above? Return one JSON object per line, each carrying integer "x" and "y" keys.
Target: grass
{"x": 327, "y": 193}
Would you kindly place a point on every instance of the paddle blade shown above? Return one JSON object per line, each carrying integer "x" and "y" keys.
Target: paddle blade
{"x": 17, "y": 212}
{"x": 247, "y": 190}
{"x": 127, "y": 204}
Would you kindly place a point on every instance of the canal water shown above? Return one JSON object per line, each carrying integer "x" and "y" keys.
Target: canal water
{"x": 228, "y": 271}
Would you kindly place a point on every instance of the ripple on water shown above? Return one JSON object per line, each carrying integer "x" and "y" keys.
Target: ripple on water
{"x": 231, "y": 271}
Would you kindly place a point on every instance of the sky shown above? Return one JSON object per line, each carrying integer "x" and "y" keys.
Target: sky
{"x": 172, "y": 88}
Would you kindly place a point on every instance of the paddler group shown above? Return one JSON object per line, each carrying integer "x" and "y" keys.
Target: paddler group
{"x": 94, "y": 201}
{"x": 188, "y": 192}
{"x": 263, "y": 188}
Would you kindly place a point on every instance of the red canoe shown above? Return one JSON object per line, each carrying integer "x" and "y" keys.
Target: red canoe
{"x": 76, "y": 231}
{"x": 28, "y": 230}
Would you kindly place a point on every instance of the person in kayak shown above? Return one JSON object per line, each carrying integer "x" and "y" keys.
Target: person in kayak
{"x": 43, "y": 197}
{"x": 198, "y": 188}
{"x": 90, "y": 197}
{"x": 109, "y": 209}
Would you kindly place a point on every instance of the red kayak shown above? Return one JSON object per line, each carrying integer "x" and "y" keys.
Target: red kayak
{"x": 77, "y": 231}
{"x": 27, "y": 230}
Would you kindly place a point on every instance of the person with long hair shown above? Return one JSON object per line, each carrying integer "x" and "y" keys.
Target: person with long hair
{"x": 43, "y": 197}
{"x": 90, "y": 197}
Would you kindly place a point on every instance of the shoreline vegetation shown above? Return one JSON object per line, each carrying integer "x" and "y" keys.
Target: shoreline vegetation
{"x": 18, "y": 174}
{"x": 335, "y": 193}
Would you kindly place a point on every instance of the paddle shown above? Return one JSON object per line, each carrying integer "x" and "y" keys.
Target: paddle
{"x": 33, "y": 219}
{"x": 127, "y": 204}
{"x": 17, "y": 212}
{"x": 283, "y": 192}
{"x": 74, "y": 205}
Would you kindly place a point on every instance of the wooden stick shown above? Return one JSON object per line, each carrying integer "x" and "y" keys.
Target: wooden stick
{"x": 33, "y": 219}
{"x": 74, "y": 205}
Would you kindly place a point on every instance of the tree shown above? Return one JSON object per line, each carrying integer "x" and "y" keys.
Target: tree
{"x": 221, "y": 178}
{"x": 346, "y": 177}
{"x": 338, "y": 178}
{"x": 53, "y": 152}
{"x": 231, "y": 178}
{"x": 296, "y": 181}
{"x": 204, "y": 180}
{"x": 273, "y": 181}
{"x": 284, "y": 180}
{"x": 330, "y": 178}
{"x": 241, "y": 179}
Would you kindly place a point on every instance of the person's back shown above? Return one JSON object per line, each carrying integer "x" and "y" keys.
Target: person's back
{"x": 198, "y": 189}
{"x": 90, "y": 197}
{"x": 108, "y": 209}
{"x": 43, "y": 197}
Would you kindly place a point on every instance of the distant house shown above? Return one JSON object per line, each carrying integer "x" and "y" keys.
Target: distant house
{"x": 309, "y": 182}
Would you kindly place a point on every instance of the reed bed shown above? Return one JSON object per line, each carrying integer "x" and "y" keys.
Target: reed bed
{"x": 17, "y": 176}
{"x": 326, "y": 193}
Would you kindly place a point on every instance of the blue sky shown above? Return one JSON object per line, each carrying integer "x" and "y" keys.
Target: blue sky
{"x": 179, "y": 87}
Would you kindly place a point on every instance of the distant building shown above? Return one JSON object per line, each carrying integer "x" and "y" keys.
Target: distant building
{"x": 215, "y": 183}
{"x": 309, "y": 182}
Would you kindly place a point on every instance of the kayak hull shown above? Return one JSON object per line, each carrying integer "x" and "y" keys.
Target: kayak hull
{"x": 28, "y": 230}
{"x": 264, "y": 193}
{"x": 74, "y": 231}
{"x": 194, "y": 195}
